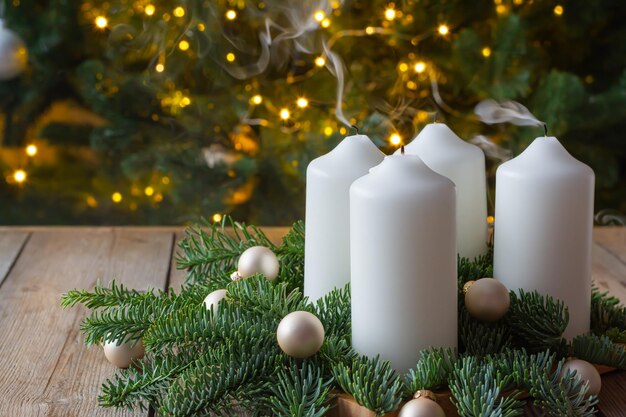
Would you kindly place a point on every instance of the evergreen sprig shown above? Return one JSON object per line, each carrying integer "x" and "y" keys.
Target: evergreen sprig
{"x": 372, "y": 382}
{"x": 103, "y": 297}
{"x": 599, "y": 350}
{"x": 608, "y": 316}
{"x": 432, "y": 370}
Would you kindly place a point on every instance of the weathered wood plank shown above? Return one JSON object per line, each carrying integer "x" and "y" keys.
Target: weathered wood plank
{"x": 11, "y": 244}
{"x": 56, "y": 375}
{"x": 613, "y": 239}
{"x": 609, "y": 272}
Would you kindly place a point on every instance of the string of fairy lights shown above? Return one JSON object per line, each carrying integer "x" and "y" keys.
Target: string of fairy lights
{"x": 390, "y": 14}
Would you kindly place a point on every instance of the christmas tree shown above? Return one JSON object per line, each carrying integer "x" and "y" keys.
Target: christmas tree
{"x": 157, "y": 111}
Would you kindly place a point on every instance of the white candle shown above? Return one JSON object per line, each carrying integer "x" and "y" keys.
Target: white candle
{"x": 327, "y": 243}
{"x": 403, "y": 254}
{"x": 544, "y": 220}
{"x": 447, "y": 154}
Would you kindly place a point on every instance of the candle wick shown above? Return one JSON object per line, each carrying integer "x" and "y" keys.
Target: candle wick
{"x": 402, "y": 150}
{"x": 356, "y": 129}
{"x": 436, "y": 117}
{"x": 545, "y": 129}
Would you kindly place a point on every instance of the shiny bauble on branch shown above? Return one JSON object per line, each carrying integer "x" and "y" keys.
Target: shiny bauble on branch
{"x": 423, "y": 404}
{"x": 586, "y": 371}
{"x": 211, "y": 301}
{"x": 486, "y": 299}
{"x": 124, "y": 354}
{"x": 258, "y": 260}
{"x": 13, "y": 53}
{"x": 300, "y": 334}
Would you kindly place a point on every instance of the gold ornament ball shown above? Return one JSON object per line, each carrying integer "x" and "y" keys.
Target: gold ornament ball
{"x": 487, "y": 299}
{"x": 300, "y": 334}
{"x": 213, "y": 298}
{"x": 125, "y": 354}
{"x": 586, "y": 371}
{"x": 13, "y": 53}
{"x": 422, "y": 407}
{"x": 258, "y": 260}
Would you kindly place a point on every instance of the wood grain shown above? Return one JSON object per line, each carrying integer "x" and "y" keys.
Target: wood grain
{"x": 11, "y": 244}
{"x": 56, "y": 375}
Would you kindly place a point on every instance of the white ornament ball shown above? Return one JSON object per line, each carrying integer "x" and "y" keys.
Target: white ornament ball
{"x": 213, "y": 298}
{"x": 258, "y": 260}
{"x": 586, "y": 371}
{"x": 125, "y": 354}
{"x": 13, "y": 53}
{"x": 300, "y": 334}
{"x": 422, "y": 407}
{"x": 487, "y": 299}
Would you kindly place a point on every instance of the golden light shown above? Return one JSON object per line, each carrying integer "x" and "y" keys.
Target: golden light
{"x": 148, "y": 191}
{"x": 231, "y": 15}
{"x": 518, "y": 2}
{"x": 183, "y": 45}
{"x": 420, "y": 67}
{"x": 411, "y": 85}
{"x": 325, "y": 23}
{"x": 319, "y": 15}
{"x": 217, "y": 217}
{"x": 285, "y": 114}
{"x": 328, "y": 130}
{"x": 158, "y": 197}
{"x": 403, "y": 67}
{"x": 185, "y": 101}
{"x": 558, "y": 10}
{"x": 486, "y": 52}
{"x": 395, "y": 139}
{"x": 230, "y": 57}
{"x": 343, "y": 130}
{"x": 165, "y": 180}
{"x": 302, "y": 102}
{"x": 490, "y": 219}
{"x": 370, "y": 30}
{"x": 256, "y": 99}
{"x": 101, "y": 22}
{"x": 390, "y": 13}
{"x": 149, "y": 9}
{"x": 19, "y": 176}
{"x": 201, "y": 27}
{"x": 91, "y": 201}
{"x": 159, "y": 67}
{"x": 116, "y": 197}
{"x": 31, "y": 150}
{"x": 443, "y": 29}
{"x": 179, "y": 12}
{"x": 501, "y": 9}
{"x": 320, "y": 61}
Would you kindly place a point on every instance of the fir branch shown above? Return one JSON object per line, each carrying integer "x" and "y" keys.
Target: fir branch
{"x": 257, "y": 294}
{"x": 560, "y": 396}
{"x": 133, "y": 387}
{"x": 291, "y": 257}
{"x": 372, "y": 382}
{"x": 300, "y": 392}
{"x": 103, "y": 297}
{"x": 477, "y": 390}
{"x": 334, "y": 311}
{"x": 230, "y": 374}
{"x": 482, "y": 338}
{"x": 209, "y": 249}
{"x": 607, "y": 314}
{"x": 599, "y": 350}
{"x": 432, "y": 370}
{"x": 480, "y": 267}
{"x": 518, "y": 364}
{"x": 537, "y": 321}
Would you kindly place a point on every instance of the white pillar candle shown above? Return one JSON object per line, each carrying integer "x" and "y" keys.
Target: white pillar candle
{"x": 447, "y": 154}
{"x": 327, "y": 243}
{"x": 543, "y": 225}
{"x": 403, "y": 254}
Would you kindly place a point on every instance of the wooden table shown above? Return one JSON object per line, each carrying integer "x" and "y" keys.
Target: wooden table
{"x": 45, "y": 370}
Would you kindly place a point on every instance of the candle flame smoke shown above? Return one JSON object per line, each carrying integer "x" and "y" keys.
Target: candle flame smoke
{"x": 491, "y": 149}
{"x": 491, "y": 112}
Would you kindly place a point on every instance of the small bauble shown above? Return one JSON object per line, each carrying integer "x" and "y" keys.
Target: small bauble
{"x": 258, "y": 260}
{"x": 487, "y": 299}
{"x": 123, "y": 355}
{"x": 13, "y": 53}
{"x": 586, "y": 371}
{"x": 213, "y": 298}
{"x": 300, "y": 334}
{"x": 423, "y": 405}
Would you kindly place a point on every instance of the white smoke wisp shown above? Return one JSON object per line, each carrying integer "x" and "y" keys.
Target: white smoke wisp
{"x": 491, "y": 112}
{"x": 491, "y": 149}
{"x": 297, "y": 32}
{"x": 335, "y": 66}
